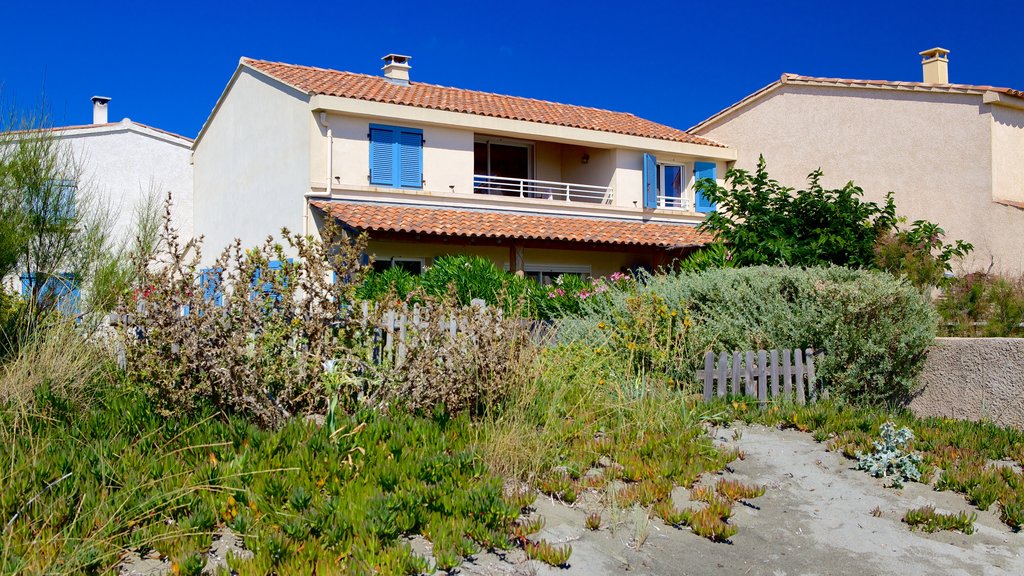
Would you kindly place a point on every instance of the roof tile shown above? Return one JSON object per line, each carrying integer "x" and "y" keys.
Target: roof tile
{"x": 379, "y": 89}
{"x": 373, "y": 217}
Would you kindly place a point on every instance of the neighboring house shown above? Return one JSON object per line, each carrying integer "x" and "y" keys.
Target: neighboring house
{"x": 951, "y": 153}
{"x": 121, "y": 162}
{"x": 118, "y": 164}
{"x": 427, "y": 170}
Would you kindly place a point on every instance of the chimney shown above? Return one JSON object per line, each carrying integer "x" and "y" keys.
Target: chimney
{"x": 396, "y": 68}
{"x": 936, "y": 66}
{"x": 99, "y": 109}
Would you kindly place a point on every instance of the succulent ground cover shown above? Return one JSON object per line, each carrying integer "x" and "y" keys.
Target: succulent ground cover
{"x": 979, "y": 460}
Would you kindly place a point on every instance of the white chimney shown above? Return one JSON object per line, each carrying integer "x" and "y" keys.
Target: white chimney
{"x": 99, "y": 109}
{"x": 935, "y": 63}
{"x": 396, "y": 68}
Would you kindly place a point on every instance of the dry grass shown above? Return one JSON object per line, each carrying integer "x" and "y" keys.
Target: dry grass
{"x": 58, "y": 360}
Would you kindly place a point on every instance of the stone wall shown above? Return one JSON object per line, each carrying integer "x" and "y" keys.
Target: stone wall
{"x": 973, "y": 379}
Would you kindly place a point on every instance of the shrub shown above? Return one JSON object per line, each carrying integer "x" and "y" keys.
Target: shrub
{"x": 983, "y": 305}
{"x": 872, "y": 328}
{"x": 890, "y": 456}
{"x": 247, "y": 339}
{"x": 488, "y": 356}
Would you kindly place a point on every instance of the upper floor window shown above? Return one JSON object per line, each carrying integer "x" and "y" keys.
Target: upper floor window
{"x": 501, "y": 165}
{"x": 396, "y": 156}
{"x": 52, "y": 203}
{"x": 665, "y": 186}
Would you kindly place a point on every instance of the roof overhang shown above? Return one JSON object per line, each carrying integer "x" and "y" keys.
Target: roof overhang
{"x": 514, "y": 128}
{"x": 469, "y": 225}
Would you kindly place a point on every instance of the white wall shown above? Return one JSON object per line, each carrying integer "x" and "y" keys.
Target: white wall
{"x": 447, "y": 154}
{"x": 1007, "y": 154}
{"x": 120, "y": 166}
{"x": 252, "y": 164}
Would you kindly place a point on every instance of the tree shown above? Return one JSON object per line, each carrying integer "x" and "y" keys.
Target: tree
{"x": 764, "y": 222}
{"x": 55, "y": 233}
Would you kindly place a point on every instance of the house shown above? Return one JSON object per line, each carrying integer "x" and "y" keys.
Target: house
{"x": 951, "y": 153}
{"x": 119, "y": 164}
{"x": 425, "y": 170}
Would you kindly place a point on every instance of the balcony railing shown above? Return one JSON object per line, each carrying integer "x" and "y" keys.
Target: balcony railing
{"x": 542, "y": 189}
{"x": 674, "y": 202}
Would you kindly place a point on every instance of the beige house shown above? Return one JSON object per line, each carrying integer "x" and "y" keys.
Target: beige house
{"x": 951, "y": 153}
{"x": 428, "y": 170}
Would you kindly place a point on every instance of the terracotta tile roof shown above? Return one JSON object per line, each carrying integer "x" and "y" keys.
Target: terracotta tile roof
{"x": 377, "y": 89}
{"x": 464, "y": 223}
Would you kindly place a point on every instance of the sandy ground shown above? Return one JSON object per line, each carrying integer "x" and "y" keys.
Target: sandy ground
{"x": 815, "y": 518}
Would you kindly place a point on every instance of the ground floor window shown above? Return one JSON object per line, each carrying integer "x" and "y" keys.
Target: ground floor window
{"x": 546, "y": 275}
{"x": 413, "y": 266}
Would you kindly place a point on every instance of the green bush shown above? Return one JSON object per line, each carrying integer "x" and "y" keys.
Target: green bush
{"x": 983, "y": 305}
{"x": 872, "y": 328}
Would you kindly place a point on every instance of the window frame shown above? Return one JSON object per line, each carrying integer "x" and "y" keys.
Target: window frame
{"x": 684, "y": 188}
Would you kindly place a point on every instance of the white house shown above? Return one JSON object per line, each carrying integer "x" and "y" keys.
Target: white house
{"x": 428, "y": 170}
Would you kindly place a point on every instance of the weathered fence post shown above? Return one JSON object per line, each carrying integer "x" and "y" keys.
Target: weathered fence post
{"x": 762, "y": 378}
{"x": 723, "y": 368}
{"x": 736, "y": 373}
{"x": 798, "y": 363}
{"x": 811, "y": 385}
{"x": 709, "y": 373}
{"x": 787, "y": 376}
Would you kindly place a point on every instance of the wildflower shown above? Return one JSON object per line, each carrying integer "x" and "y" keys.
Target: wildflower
{"x": 602, "y": 325}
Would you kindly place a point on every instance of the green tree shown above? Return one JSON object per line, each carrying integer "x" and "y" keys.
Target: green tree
{"x": 761, "y": 221}
{"x": 764, "y": 222}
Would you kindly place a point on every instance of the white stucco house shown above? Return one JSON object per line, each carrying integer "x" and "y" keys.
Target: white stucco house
{"x": 951, "y": 153}
{"x": 426, "y": 170}
{"x": 119, "y": 164}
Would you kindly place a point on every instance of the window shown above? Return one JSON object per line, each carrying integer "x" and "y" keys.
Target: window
{"x": 59, "y": 291}
{"x": 396, "y": 156}
{"x": 53, "y": 203}
{"x": 413, "y": 266}
{"x": 274, "y": 267}
{"x": 500, "y": 164}
{"x": 672, "y": 186}
{"x": 546, "y": 275}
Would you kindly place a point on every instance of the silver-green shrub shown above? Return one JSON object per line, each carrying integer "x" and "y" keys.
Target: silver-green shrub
{"x": 872, "y": 328}
{"x": 890, "y": 456}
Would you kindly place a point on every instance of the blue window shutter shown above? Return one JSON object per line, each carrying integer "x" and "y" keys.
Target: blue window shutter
{"x": 703, "y": 170}
{"x": 410, "y": 157}
{"x": 26, "y": 285}
{"x": 383, "y": 164}
{"x": 650, "y": 181}
{"x": 209, "y": 280}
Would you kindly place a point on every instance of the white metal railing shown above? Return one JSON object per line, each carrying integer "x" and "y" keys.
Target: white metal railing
{"x": 542, "y": 189}
{"x": 674, "y": 202}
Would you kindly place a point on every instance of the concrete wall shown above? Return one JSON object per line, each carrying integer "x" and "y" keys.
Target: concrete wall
{"x": 973, "y": 379}
{"x": 1007, "y": 154}
{"x": 252, "y": 164}
{"x": 934, "y": 151}
{"x": 120, "y": 166}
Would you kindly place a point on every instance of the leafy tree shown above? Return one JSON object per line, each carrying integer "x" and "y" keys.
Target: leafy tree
{"x": 764, "y": 222}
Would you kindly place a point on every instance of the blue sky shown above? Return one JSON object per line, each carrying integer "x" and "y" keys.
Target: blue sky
{"x": 165, "y": 64}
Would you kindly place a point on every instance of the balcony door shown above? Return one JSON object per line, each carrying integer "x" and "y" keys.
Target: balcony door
{"x": 500, "y": 166}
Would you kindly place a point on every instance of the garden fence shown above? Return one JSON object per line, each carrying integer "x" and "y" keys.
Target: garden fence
{"x": 766, "y": 375}
{"x": 399, "y": 330}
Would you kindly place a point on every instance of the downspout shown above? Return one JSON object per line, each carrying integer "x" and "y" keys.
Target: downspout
{"x": 329, "y": 174}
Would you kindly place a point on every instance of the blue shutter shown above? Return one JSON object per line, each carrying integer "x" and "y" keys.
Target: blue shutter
{"x": 383, "y": 165}
{"x": 410, "y": 157}
{"x": 67, "y": 293}
{"x": 209, "y": 280}
{"x": 26, "y": 285}
{"x": 650, "y": 182}
{"x": 703, "y": 170}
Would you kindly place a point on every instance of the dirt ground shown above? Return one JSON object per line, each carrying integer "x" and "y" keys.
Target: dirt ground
{"x": 815, "y": 518}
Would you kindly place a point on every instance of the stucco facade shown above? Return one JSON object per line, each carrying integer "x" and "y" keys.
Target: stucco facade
{"x": 270, "y": 150}
{"x": 121, "y": 163}
{"x": 947, "y": 155}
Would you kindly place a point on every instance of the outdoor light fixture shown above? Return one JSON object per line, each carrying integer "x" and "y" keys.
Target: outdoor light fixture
{"x": 586, "y": 158}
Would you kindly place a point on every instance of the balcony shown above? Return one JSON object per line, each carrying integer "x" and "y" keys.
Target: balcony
{"x": 544, "y": 190}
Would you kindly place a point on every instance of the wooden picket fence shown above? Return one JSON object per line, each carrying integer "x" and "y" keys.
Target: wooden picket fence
{"x": 775, "y": 375}
{"x": 397, "y": 330}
